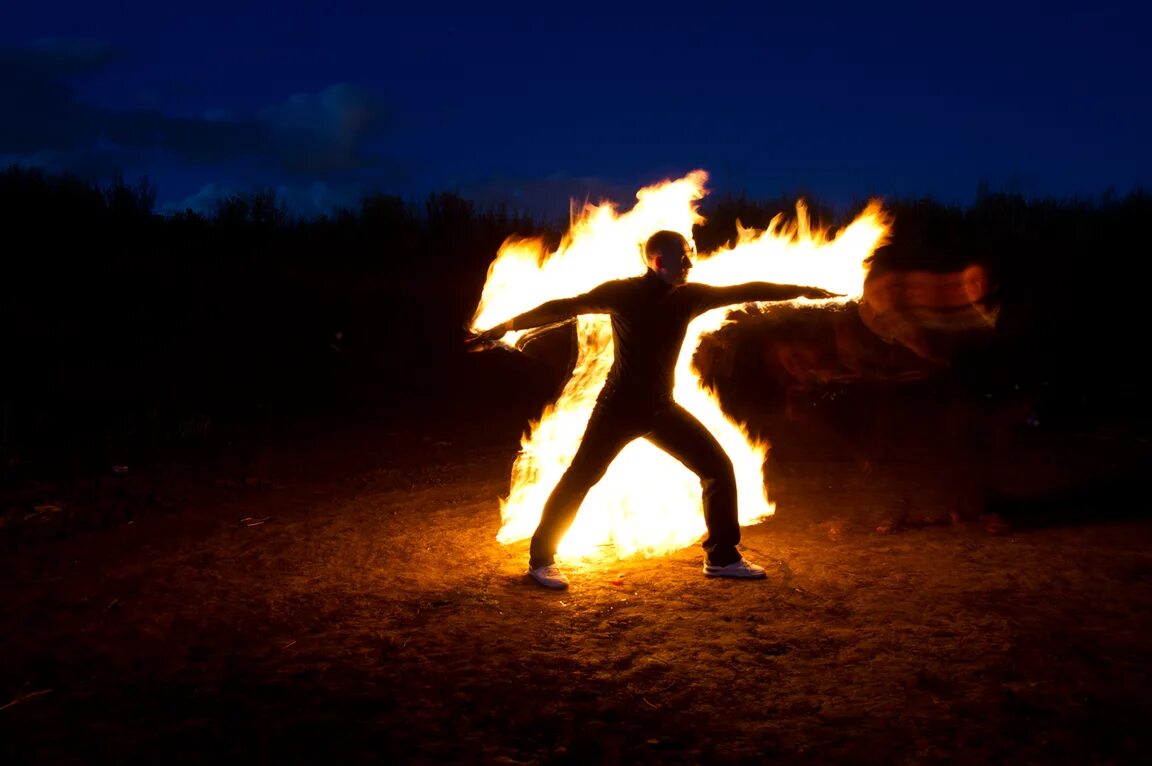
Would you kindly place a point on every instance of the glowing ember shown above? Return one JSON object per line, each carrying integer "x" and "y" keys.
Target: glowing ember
{"x": 648, "y": 503}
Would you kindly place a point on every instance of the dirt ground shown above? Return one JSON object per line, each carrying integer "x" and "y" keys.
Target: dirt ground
{"x": 334, "y": 594}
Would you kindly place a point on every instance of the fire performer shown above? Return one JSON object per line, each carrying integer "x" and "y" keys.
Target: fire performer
{"x": 650, "y": 316}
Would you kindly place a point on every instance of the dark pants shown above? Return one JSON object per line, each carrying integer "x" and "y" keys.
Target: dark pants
{"x": 674, "y": 430}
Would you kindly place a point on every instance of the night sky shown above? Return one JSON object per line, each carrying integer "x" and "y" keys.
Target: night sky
{"x": 532, "y": 104}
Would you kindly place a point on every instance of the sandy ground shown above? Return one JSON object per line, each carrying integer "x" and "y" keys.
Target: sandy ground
{"x": 335, "y": 594}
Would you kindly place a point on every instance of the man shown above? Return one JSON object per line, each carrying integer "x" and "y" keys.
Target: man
{"x": 650, "y": 316}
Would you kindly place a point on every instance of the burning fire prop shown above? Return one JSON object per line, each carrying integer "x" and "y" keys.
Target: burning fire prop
{"x": 647, "y": 502}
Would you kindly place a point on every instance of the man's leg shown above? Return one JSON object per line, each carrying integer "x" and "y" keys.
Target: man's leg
{"x": 684, "y": 437}
{"x": 605, "y": 436}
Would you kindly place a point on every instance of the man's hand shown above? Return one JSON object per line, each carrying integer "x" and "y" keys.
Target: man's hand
{"x": 480, "y": 341}
{"x": 819, "y": 293}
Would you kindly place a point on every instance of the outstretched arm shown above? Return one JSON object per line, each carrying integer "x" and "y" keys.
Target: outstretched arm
{"x": 599, "y": 300}
{"x": 756, "y": 292}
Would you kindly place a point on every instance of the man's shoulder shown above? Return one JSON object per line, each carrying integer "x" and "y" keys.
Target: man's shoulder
{"x": 694, "y": 289}
{"x": 622, "y": 284}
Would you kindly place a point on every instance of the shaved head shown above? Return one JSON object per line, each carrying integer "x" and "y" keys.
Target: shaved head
{"x": 669, "y": 254}
{"x": 668, "y": 243}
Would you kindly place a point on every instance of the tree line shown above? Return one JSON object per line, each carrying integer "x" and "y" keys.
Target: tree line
{"x": 112, "y": 309}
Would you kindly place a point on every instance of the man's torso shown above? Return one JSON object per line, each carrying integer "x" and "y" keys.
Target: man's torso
{"x": 649, "y": 321}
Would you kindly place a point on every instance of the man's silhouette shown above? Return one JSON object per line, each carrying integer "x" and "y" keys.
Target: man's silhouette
{"x": 650, "y": 316}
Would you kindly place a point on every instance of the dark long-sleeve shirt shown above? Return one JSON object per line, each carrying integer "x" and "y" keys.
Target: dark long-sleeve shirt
{"x": 649, "y": 320}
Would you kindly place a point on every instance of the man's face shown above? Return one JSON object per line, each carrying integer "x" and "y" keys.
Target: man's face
{"x": 673, "y": 264}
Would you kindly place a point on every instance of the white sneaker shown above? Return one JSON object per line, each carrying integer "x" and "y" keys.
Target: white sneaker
{"x": 549, "y": 576}
{"x": 741, "y": 568}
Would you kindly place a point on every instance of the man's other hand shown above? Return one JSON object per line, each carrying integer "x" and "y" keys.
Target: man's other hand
{"x": 819, "y": 293}
{"x": 479, "y": 341}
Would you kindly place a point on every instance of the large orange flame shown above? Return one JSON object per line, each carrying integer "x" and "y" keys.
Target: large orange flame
{"x": 648, "y": 503}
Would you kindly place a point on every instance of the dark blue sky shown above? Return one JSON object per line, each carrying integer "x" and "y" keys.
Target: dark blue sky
{"x": 535, "y": 103}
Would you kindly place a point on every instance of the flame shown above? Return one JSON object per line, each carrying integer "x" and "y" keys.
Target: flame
{"x": 648, "y": 503}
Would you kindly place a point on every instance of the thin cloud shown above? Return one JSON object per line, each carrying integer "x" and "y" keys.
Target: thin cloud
{"x": 337, "y": 131}
{"x": 314, "y": 133}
